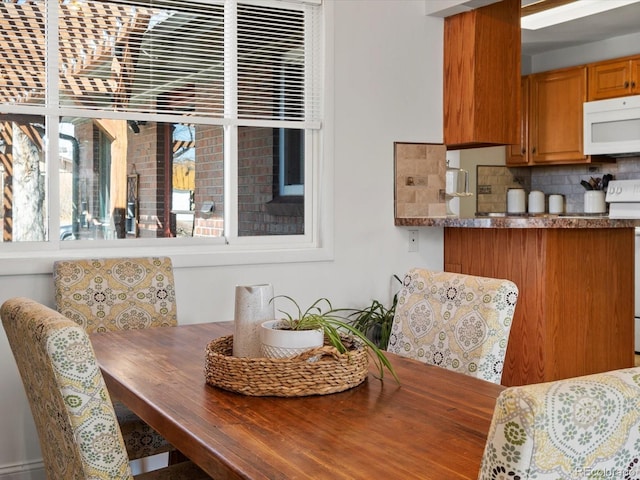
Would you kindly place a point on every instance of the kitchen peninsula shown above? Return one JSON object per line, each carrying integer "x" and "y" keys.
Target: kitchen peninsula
{"x": 576, "y": 279}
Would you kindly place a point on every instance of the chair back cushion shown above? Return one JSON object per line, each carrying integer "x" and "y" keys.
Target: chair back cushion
{"x": 77, "y": 427}
{"x": 583, "y": 427}
{"x": 459, "y": 322}
{"x": 116, "y": 293}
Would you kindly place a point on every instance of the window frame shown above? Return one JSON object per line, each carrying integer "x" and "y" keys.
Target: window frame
{"x": 315, "y": 245}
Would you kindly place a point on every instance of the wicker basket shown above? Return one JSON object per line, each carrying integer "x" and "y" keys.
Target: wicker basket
{"x": 285, "y": 377}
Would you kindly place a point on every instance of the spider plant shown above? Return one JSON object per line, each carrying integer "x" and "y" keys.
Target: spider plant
{"x": 376, "y": 320}
{"x": 337, "y": 330}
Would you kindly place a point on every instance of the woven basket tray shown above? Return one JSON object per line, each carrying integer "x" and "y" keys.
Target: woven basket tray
{"x": 284, "y": 377}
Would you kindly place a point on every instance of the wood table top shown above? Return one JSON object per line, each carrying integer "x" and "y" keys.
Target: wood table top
{"x": 433, "y": 425}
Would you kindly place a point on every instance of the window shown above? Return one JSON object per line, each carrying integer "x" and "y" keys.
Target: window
{"x": 290, "y": 142}
{"x": 129, "y": 119}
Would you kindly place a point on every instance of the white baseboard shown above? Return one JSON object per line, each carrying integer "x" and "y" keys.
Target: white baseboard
{"x": 25, "y": 471}
{"x": 35, "y": 470}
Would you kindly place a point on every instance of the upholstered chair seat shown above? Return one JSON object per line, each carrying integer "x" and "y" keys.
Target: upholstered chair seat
{"x": 77, "y": 427}
{"x": 455, "y": 321}
{"x": 120, "y": 294}
{"x": 577, "y": 428}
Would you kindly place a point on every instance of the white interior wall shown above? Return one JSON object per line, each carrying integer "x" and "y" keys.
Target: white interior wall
{"x": 386, "y": 60}
{"x": 593, "y": 52}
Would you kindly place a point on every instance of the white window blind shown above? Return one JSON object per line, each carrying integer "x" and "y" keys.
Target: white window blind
{"x": 272, "y": 41}
{"x": 167, "y": 57}
{"x": 142, "y": 56}
{"x": 23, "y": 68}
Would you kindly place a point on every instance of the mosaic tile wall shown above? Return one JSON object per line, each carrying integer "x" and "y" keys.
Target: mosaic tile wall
{"x": 419, "y": 180}
{"x": 493, "y": 182}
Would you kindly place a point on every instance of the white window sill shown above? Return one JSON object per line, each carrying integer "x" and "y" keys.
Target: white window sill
{"x": 30, "y": 262}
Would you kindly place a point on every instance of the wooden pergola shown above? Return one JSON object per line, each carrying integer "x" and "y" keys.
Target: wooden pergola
{"x": 90, "y": 42}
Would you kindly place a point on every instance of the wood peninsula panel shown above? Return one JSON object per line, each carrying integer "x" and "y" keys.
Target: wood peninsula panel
{"x": 575, "y": 310}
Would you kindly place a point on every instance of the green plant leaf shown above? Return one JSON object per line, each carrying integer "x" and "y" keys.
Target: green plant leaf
{"x": 334, "y": 326}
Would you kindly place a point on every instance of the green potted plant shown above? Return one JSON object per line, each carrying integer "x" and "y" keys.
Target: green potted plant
{"x": 375, "y": 321}
{"x": 336, "y": 329}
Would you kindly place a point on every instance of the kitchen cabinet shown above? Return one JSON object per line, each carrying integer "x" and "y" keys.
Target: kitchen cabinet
{"x": 517, "y": 154}
{"x": 614, "y": 78}
{"x": 552, "y": 119}
{"x": 556, "y": 124}
{"x": 481, "y": 76}
{"x": 575, "y": 306}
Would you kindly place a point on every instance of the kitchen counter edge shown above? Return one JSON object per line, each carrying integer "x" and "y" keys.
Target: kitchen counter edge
{"x": 547, "y": 221}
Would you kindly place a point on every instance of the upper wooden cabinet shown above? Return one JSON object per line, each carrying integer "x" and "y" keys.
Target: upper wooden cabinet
{"x": 552, "y": 119}
{"x": 615, "y": 78}
{"x": 556, "y": 119}
{"x": 481, "y": 76}
{"x": 518, "y": 154}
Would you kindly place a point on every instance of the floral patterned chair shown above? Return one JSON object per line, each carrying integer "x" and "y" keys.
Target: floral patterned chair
{"x": 578, "y": 428}
{"x": 456, "y": 321}
{"x": 116, "y": 293}
{"x": 120, "y": 294}
{"x": 77, "y": 427}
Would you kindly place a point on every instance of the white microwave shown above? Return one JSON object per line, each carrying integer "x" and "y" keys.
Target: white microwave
{"x": 612, "y": 127}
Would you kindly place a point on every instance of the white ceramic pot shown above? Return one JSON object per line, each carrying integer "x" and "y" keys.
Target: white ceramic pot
{"x": 536, "y": 201}
{"x": 516, "y": 200}
{"x": 278, "y": 343}
{"x": 556, "y": 203}
{"x": 594, "y": 202}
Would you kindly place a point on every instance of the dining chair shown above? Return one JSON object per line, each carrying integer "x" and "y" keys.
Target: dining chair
{"x": 456, "y": 321}
{"x": 105, "y": 294}
{"x": 581, "y": 427}
{"x": 120, "y": 294}
{"x": 76, "y": 423}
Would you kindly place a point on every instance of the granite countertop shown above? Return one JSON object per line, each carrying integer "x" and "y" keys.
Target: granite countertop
{"x": 519, "y": 221}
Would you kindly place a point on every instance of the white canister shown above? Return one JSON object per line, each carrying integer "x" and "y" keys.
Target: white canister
{"x": 253, "y": 307}
{"x": 536, "y": 201}
{"x": 515, "y": 200}
{"x": 594, "y": 201}
{"x": 556, "y": 204}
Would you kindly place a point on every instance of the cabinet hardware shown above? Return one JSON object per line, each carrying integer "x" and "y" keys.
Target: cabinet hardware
{"x": 626, "y": 84}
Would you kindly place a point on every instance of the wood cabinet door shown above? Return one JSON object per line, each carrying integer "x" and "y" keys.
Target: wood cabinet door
{"x": 610, "y": 79}
{"x": 518, "y": 154}
{"x": 635, "y": 77}
{"x": 556, "y": 123}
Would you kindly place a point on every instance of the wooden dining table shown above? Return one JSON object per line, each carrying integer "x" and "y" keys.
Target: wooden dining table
{"x": 433, "y": 425}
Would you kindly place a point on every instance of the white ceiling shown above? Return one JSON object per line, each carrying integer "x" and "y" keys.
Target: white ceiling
{"x": 614, "y": 23}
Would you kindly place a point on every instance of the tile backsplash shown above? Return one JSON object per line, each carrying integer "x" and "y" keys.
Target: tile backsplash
{"x": 493, "y": 182}
{"x": 419, "y": 179}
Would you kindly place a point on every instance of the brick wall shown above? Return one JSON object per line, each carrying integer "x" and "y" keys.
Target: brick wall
{"x": 209, "y": 181}
{"x": 257, "y": 178}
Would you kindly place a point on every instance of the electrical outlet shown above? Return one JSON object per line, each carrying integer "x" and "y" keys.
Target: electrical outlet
{"x": 413, "y": 241}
